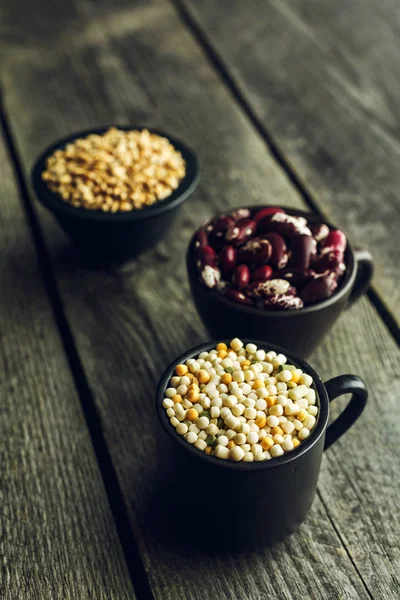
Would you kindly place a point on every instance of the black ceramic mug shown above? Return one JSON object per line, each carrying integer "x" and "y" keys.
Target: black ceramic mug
{"x": 299, "y": 330}
{"x": 253, "y": 503}
{"x": 116, "y": 237}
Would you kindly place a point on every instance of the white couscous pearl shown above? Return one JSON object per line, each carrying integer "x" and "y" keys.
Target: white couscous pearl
{"x": 248, "y": 457}
{"x": 272, "y": 421}
{"x": 250, "y": 413}
{"x": 244, "y": 428}
{"x": 215, "y": 412}
{"x": 191, "y": 437}
{"x": 252, "y": 437}
{"x": 227, "y": 407}
{"x": 261, "y": 404}
{"x": 182, "y": 428}
{"x": 238, "y": 410}
{"x": 287, "y": 445}
{"x": 236, "y": 344}
{"x": 238, "y": 376}
{"x": 287, "y": 426}
{"x": 311, "y": 397}
{"x": 251, "y": 348}
{"x": 232, "y": 422}
{"x": 203, "y": 422}
{"x": 276, "y": 450}
{"x": 303, "y": 433}
{"x": 221, "y": 452}
{"x": 306, "y": 379}
{"x": 309, "y": 422}
{"x": 239, "y": 439}
{"x": 236, "y": 453}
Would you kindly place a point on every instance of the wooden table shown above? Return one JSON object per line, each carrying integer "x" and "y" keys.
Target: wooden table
{"x": 290, "y": 102}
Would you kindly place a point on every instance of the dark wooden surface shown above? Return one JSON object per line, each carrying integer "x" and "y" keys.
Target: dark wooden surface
{"x": 58, "y": 538}
{"x": 71, "y": 66}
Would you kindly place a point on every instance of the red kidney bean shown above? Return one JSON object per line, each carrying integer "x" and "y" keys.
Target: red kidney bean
{"x": 319, "y": 289}
{"x": 241, "y": 277}
{"x": 298, "y": 277}
{"x": 255, "y": 252}
{"x": 283, "y": 302}
{"x": 211, "y": 276}
{"x": 241, "y": 213}
{"x": 303, "y": 252}
{"x": 216, "y": 231}
{"x": 240, "y": 232}
{"x": 268, "y": 288}
{"x": 239, "y": 297}
{"x": 219, "y": 226}
{"x": 279, "y": 254}
{"x": 335, "y": 240}
{"x": 261, "y": 273}
{"x": 284, "y": 224}
{"x": 227, "y": 261}
{"x": 319, "y": 231}
{"x": 207, "y": 256}
{"x": 264, "y": 212}
{"x": 255, "y": 266}
{"x": 201, "y": 239}
{"x": 330, "y": 261}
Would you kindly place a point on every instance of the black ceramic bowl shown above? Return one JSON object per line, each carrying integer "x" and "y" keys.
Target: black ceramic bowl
{"x": 299, "y": 330}
{"x": 120, "y": 236}
{"x": 259, "y": 502}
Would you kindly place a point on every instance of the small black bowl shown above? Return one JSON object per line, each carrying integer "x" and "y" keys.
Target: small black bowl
{"x": 119, "y": 236}
{"x": 298, "y": 330}
{"x": 250, "y": 503}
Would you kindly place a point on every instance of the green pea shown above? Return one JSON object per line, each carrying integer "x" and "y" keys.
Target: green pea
{"x": 210, "y": 440}
{"x": 229, "y": 370}
{"x": 220, "y": 423}
{"x": 205, "y": 414}
{"x": 286, "y": 368}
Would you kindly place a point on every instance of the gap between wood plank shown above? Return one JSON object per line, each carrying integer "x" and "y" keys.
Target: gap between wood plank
{"x": 218, "y": 64}
{"x": 114, "y": 494}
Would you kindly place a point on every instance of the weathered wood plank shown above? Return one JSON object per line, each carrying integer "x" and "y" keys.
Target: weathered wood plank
{"x": 58, "y": 538}
{"x": 138, "y": 64}
{"x": 323, "y": 80}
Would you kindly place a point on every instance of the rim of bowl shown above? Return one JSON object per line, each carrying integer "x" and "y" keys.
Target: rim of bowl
{"x": 307, "y": 444}
{"x": 346, "y": 284}
{"x": 55, "y": 203}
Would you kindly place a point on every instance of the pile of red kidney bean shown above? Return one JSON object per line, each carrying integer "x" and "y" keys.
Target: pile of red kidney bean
{"x": 270, "y": 259}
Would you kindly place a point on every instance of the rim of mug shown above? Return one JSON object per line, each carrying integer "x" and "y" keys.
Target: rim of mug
{"x": 55, "y": 203}
{"x": 305, "y": 446}
{"x": 345, "y": 286}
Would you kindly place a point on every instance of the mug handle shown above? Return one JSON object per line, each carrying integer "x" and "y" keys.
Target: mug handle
{"x": 365, "y": 270}
{"x": 345, "y": 384}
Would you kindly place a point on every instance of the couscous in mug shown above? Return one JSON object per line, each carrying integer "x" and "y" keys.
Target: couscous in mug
{"x": 251, "y": 503}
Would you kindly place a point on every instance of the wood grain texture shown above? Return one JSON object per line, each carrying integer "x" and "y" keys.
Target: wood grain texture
{"x": 58, "y": 538}
{"x": 322, "y": 78}
{"x": 136, "y": 63}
